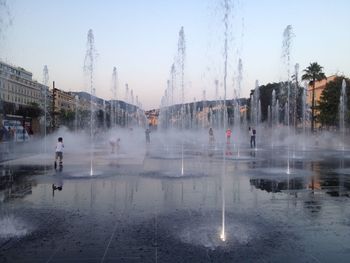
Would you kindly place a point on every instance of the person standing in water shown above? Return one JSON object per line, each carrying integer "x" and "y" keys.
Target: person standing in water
{"x": 148, "y": 137}
{"x": 228, "y": 135}
{"x": 112, "y": 143}
{"x": 211, "y": 135}
{"x": 252, "y": 133}
{"x": 59, "y": 151}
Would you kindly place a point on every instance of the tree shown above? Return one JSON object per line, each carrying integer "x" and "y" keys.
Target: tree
{"x": 329, "y": 102}
{"x": 266, "y": 97}
{"x": 67, "y": 118}
{"x": 313, "y": 73}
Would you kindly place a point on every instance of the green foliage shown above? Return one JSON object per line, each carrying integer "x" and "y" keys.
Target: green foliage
{"x": 266, "y": 96}
{"x": 67, "y": 117}
{"x": 31, "y": 110}
{"x": 329, "y": 102}
{"x": 313, "y": 73}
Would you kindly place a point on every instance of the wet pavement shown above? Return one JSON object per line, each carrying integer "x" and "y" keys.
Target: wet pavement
{"x": 165, "y": 204}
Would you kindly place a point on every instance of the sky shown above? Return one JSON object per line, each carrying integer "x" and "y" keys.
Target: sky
{"x": 140, "y": 38}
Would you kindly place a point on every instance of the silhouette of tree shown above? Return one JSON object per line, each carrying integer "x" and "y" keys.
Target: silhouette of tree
{"x": 329, "y": 102}
{"x": 313, "y": 73}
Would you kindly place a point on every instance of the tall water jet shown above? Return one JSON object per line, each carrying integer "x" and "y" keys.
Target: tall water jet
{"x": 132, "y": 97}
{"x": 163, "y": 112}
{"x": 285, "y": 116}
{"x": 126, "y": 93}
{"x": 104, "y": 116}
{"x": 269, "y": 114}
{"x": 45, "y": 82}
{"x": 273, "y": 109}
{"x": 137, "y": 103}
{"x": 89, "y": 64}
{"x": 76, "y": 112}
{"x": 236, "y": 115}
{"x": 194, "y": 112}
{"x": 239, "y": 77}
{"x": 216, "y": 82}
{"x": 237, "y": 94}
{"x": 295, "y": 94}
{"x": 172, "y": 89}
{"x": 343, "y": 111}
{"x": 188, "y": 116}
{"x": 304, "y": 110}
{"x": 127, "y": 101}
{"x": 277, "y": 112}
{"x": 172, "y": 85}
{"x": 181, "y": 61}
{"x": 237, "y": 106}
{"x": 274, "y": 116}
{"x": 204, "y": 105}
{"x": 254, "y": 106}
{"x": 6, "y": 18}
{"x": 114, "y": 93}
{"x": 286, "y": 45}
{"x": 227, "y": 10}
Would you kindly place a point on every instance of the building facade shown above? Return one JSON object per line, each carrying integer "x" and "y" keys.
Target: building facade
{"x": 19, "y": 91}
{"x": 63, "y": 100}
{"x": 319, "y": 87}
{"x": 17, "y": 86}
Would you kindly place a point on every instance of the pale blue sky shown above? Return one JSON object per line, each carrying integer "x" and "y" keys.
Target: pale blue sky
{"x": 140, "y": 38}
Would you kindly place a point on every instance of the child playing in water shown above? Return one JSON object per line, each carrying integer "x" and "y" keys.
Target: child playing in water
{"x": 118, "y": 145}
{"x": 148, "y": 138}
{"x": 59, "y": 151}
{"x": 112, "y": 143}
{"x": 228, "y": 135}
{"x": 211, "y": 135}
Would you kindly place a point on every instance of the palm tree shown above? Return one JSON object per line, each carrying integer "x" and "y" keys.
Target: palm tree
{"x": 313, "y": 73}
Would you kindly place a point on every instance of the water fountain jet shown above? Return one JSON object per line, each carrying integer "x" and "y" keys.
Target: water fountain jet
{"x": 89, "y": 64}
{"x": 343, "y": 111}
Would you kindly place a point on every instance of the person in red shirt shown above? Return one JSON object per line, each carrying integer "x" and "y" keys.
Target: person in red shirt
{"x": 228, "y": 135}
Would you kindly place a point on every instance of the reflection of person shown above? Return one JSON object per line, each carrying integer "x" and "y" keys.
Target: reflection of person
{"x": 148, "y": 138}
{"x": 228, "y": 135}
{"x": 252, "y": 153}
{"x": 59, "y": 151}
{"x": 211, "y": 135}
{"x": 228, "y": 149}
{"x": 58, "y": 186}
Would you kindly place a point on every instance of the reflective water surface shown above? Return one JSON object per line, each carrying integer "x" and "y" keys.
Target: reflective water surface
{"x": 141, "y": 208}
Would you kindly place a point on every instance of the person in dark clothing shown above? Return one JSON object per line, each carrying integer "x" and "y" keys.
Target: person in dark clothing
{"x": 148, "y": 137}
{"x": 252, "y": 133}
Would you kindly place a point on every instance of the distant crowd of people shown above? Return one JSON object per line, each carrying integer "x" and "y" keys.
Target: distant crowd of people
{"x": 252, "y": 134}
{"x": 7, "y": 134}
{"x": 10, "y": 133}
